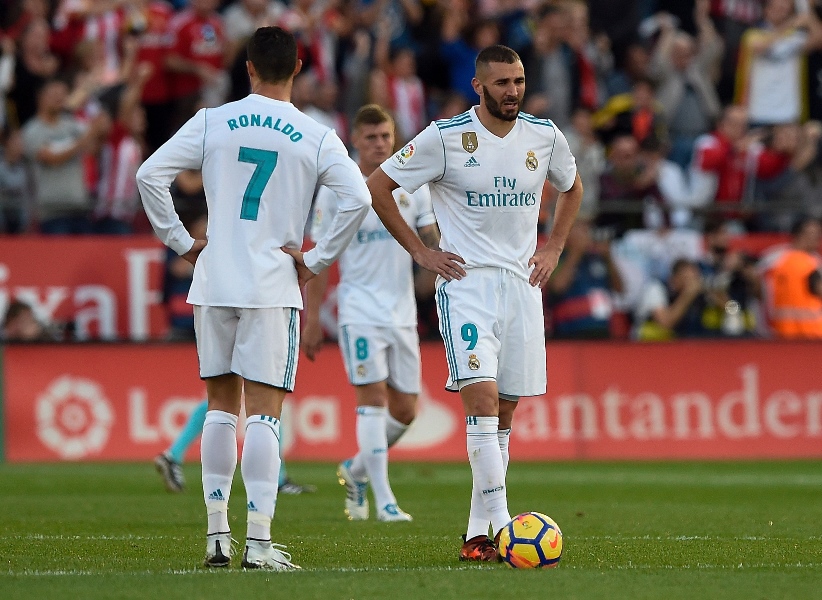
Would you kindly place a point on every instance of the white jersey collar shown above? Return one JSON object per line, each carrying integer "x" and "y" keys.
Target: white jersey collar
{"x": 267, "y": 100}
{"x": 503, "y": 140}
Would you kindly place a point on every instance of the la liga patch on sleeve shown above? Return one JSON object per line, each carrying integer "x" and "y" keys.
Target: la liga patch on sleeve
{"x": 404, "y": 155}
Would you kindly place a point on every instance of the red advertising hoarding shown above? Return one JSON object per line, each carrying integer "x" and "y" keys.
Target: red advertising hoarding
{"x": 108, "y": 287}
{"x": 688, "y": 400}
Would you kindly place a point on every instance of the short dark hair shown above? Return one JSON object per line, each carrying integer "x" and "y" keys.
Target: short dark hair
{"x": 372, "y": 114}
{"x": 15, "y": 309}
{"x": 497, "y": 54}
{"x": 273, "y": 52}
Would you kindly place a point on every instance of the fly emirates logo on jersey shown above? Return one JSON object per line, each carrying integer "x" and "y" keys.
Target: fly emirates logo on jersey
{"x": 504, "y": 194}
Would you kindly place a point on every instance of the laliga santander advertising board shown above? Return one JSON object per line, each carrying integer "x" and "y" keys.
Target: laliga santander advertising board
{"x": 685, "y": 400}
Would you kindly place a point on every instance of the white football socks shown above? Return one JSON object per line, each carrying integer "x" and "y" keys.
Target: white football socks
{"x": 261, "y": 471}
{"x": 394, "y": 430}
{"x": 478, "y": 519}
{"x": 372, "y": 441}
{"x": 218, "y": 453}
{"x": 488, "y": 470}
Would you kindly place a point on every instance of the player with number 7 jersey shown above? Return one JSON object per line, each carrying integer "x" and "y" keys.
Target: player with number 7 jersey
{"x": 262, "y": 160}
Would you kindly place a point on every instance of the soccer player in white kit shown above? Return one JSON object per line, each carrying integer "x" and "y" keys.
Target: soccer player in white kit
{"x": 486, "y": 169}
{"x": 377, "y": 322}
{"x": 262, "y": 161}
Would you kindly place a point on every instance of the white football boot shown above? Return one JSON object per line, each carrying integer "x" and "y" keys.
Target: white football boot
{"x": 219, "y": 549}
{"x": 356, "y": 500}
{"x": 392, "y": 513}
{"x": 268, "y": 556}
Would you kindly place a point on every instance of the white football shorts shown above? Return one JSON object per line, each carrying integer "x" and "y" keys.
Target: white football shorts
{"x": 492, "y": 324}
{"x": 391, "y": 354}
{"x": 259, "y": 344}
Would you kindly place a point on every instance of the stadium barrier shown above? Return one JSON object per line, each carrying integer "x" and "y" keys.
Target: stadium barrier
{"x": 110, "y": 287}
{"x": 606, "y": 400}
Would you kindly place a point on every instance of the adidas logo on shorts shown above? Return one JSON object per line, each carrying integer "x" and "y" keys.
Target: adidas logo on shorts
{"x": 471, "y": 162}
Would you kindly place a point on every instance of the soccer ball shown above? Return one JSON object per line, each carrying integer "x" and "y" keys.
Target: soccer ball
{"x": 531, "y": 541}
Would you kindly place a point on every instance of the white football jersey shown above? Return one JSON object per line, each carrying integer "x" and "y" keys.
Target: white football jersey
{"x": 376, "y": 273}
{"x": 486, "y": 190}
{"x": 262, "y": 161}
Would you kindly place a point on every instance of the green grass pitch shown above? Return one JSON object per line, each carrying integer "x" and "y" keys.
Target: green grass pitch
{"x": 643, "y": 530}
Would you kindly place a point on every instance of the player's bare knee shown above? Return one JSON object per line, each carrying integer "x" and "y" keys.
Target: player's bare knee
{"x": 402, "y": 406}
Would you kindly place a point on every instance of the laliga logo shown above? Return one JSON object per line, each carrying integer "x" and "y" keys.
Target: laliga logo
{"x": 73, "y": 417}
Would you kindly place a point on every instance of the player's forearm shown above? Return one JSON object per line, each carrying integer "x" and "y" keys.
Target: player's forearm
{"x": 384, "y": 205}
{"x": 568, "y": 204}
{"x": 342, "y": 230}
{"x": 314, "y": 293}
{"x": 154, "y": 182}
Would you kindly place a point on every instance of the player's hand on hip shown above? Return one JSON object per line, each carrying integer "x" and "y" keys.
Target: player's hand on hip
{"x": 303, "y": 272}
{"x": 192, "y": 255}
{"x": 311, "y": 338}
{"x": 445, "y": 264}
{"x": 544, "y": 262}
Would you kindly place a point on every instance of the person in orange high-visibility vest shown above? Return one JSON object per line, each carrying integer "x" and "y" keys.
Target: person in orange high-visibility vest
{"x": 793, "y": 285}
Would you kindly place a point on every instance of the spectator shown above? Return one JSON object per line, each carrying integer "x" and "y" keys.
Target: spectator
{"x": 638, "y": 114}
{"x": 20, "y": 324}
{"x": 618, "y": 19}
{"x": 244, "y": 17}
{"x": 55, "y": 143}
{"x": 7, "y": 63}
{"x": 674, "y": 309}
{"x": 398, "y": 16}
{"x": 800, "y": 145}
{"x": 322, "y": 107}
{"x": 683, "y": 69}
{"x": 16, "y": 186}
{"x": 151, "y": 21}
{"x": 196, "y": 59}
{"x": 727, "y": 161}
{"x": 35, "y": 64}
{"x": 98, "y": 21}
{"x": 635, "y": 65}
{"x": 395, "y": 85}
{"x": 581, "y": 287}
{"x": 771, "y": 66}
{"x": 792, "y": 284}
{"x": 677, "y": 190}
{"x": 730, "y": 280}
{"x": 550, "y": 69}
{"x": 732, "y": 19}
{"x": 590, "y": 155}
{"x": 122, "y": 154}
{"x": 628, "y": 181}
{"x": 459, "y": 51}
{"x": 592, "y": 56}
{"x": 802, "y": 185}
{"x": 30, "y": 10}
{"x": 316, "y": 26}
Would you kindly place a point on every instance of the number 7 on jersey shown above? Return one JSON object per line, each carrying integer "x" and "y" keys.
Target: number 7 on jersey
{"x": 266, "y": 161}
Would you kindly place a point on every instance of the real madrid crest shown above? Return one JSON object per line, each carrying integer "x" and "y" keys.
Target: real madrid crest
{"x": 470, "y": 141}
{"x": 473, "y": 362}
{"x": 404, "y": 202}
{"x": 531, "y": 162}
{"x": 361, "y": 370}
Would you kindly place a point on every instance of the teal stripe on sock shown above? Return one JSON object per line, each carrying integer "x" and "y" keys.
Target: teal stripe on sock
{"x": 191, "y": 431}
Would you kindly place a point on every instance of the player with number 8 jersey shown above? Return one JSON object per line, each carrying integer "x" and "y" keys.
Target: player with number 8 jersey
{"x": 262, "y": 160}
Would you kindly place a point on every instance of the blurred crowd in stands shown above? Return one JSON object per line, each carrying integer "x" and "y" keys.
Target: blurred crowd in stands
{"x": 692, "y": 121}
